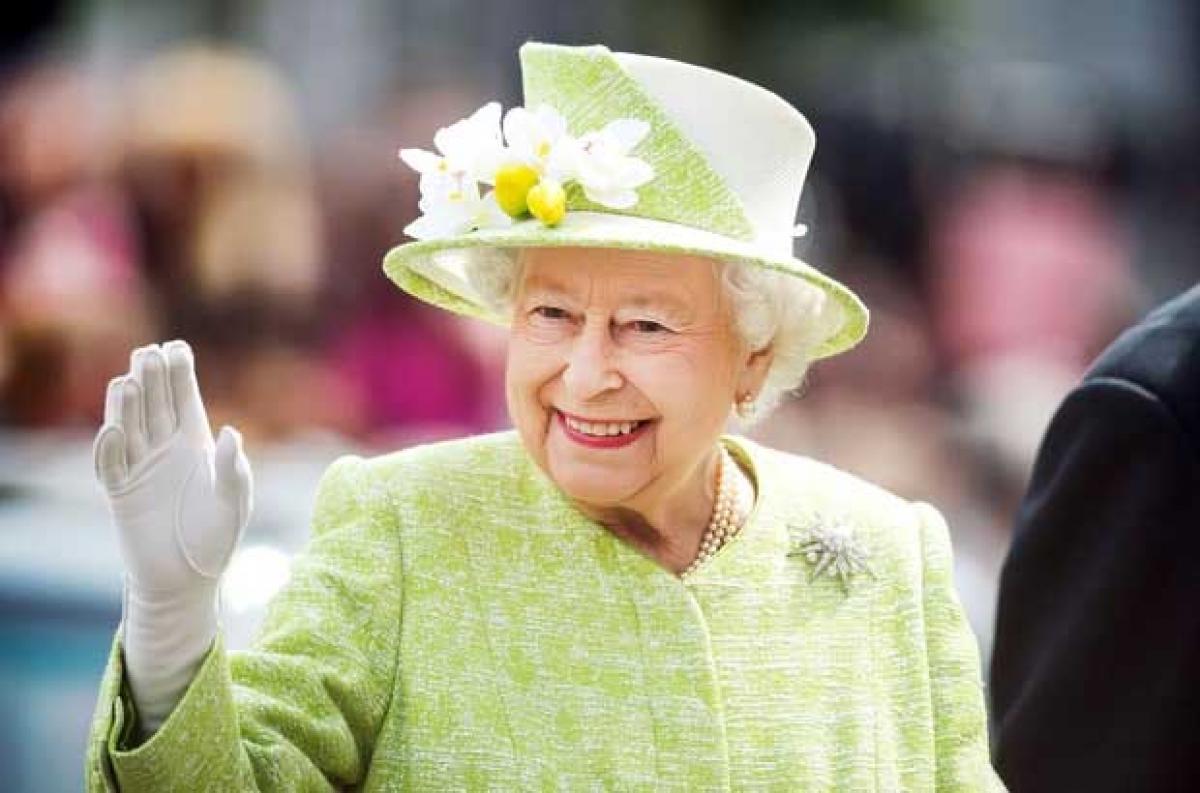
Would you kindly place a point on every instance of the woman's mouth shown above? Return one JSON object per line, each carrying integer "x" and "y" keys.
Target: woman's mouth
{"x": 601, "y": 434}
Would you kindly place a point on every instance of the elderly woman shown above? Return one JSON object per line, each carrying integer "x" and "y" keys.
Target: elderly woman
{"x": 617, "y": 594}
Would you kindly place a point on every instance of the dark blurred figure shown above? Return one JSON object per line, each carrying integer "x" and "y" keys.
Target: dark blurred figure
{"x": 72, "y": 300}
{"x": 219, "y": 171}
{"x": 1096, "y": 667}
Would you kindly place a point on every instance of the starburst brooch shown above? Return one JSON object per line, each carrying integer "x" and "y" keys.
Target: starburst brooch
{"x": 832, "y": 551}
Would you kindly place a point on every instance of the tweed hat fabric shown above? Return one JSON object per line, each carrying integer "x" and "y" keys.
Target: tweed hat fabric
{"x": 728, "y": 157}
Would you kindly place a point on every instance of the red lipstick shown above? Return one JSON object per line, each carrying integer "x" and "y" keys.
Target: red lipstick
{"x": 600, "y": 441}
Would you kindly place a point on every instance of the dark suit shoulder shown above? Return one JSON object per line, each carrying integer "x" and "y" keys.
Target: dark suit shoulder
{"x": 1161, "y": 354}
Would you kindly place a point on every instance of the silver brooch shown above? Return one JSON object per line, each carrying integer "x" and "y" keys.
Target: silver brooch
{"x": 831, "y": 551}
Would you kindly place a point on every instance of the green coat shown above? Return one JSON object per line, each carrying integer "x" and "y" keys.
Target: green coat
{"x": 456, "y": 624}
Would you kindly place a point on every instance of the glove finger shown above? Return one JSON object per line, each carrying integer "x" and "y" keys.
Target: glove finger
{"x": 133, "y": 422}
{"x": 150, "y": 369}
{"x": 208, "y": 555}
{"x": 108, "y": 456}
{"x": 185, "y": 390}
{"x": 232, "y": 471}
{"x": 112, "y": 401}
{"x": 245, "y": 490}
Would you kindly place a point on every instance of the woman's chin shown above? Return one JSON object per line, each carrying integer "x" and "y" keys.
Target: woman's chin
{"x": 596, "y": 476}
{"x": 593, "y": 486}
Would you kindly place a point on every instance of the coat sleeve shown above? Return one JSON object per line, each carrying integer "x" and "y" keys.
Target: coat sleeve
{"x": 1098, "y": 634}
{"x": 301, "y": 710}
{"x": 956, "y": 685}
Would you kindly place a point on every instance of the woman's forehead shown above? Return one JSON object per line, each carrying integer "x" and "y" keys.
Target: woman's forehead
{"x": 631, "y": 271}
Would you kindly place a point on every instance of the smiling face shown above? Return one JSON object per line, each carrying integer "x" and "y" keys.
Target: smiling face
{"x": 622, "y": 370}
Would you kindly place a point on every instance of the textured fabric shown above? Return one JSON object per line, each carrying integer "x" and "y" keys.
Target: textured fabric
{"x": 457, "y": 624}
{"x": 687, "y": 208}
{"x": 589, "y": 87}
{"x": 763, "y": 158}
{"x": 1095, "y": 673}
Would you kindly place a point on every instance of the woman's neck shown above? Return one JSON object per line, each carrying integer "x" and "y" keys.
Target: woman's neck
{"x": 667, "y": 526}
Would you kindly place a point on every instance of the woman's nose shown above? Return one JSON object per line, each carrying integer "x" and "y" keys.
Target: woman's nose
{"x": 591, "y": 369}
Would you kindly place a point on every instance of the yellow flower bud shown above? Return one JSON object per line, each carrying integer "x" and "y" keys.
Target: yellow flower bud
{"x": 512, "y": 185}
{"x": 547, "y": 201}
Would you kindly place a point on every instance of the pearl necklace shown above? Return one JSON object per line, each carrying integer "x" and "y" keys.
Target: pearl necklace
{"x": 727, "y": 513}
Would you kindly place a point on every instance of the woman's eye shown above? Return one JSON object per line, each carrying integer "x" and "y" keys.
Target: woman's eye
{"x": 648, "y": 326}
{"x": 550, "y": 312}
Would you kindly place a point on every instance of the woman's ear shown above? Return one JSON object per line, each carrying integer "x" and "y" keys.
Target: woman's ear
{"x": 755, "y": 366}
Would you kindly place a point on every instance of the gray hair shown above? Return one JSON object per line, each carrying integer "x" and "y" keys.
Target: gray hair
{"x": 770, "y": 309}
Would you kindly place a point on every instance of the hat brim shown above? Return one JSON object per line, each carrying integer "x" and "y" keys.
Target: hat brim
{"x": 435, "y": 270}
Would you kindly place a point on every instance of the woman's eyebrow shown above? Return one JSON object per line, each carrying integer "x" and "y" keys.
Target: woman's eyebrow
{"x": 665, "y": 303}
{"x": 662, "y": 302}
{"x": 544, "y": 287}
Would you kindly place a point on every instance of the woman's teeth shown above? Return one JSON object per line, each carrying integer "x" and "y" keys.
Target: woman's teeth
{"x": 602, "y": 428}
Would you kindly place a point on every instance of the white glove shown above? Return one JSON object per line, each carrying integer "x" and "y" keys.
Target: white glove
{"x": 180, "y": 504}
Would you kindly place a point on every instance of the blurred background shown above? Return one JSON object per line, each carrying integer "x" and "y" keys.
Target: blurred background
{"x": 1007, "y": 184}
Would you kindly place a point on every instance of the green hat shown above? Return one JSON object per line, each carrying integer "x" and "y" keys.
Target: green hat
{"x": 615, "y": 150}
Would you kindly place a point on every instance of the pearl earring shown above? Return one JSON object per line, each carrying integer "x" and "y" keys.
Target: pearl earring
{"x": 745, "y": 407}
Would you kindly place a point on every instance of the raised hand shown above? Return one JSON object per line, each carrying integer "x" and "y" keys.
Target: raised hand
{"x": 180, "y": 503}
{"x": 179, "y": 500}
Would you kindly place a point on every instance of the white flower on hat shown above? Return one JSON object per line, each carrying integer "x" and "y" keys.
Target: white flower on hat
{"x": 608, "y": 174}
{"x": 454, "y": 206}
{"x": 541, "y": 157}
{"x": 538, "y": 138}
{"x": 469, "y": 147}
{"x": 530, "y": 167}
